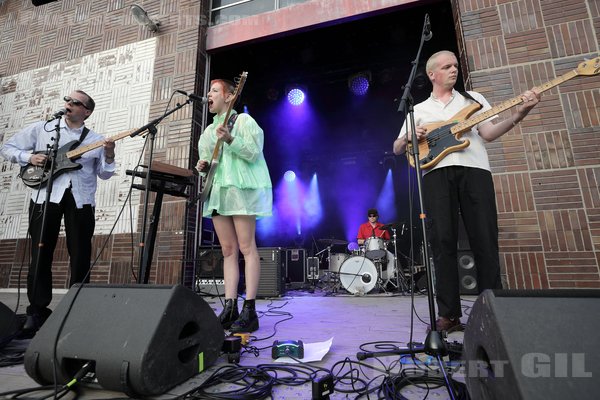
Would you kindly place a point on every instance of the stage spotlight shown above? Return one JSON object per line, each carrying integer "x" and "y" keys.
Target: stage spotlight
{"x": 295, "y": 96}
{"x": 359, "y": 83}
{"x": 289, "y": 176}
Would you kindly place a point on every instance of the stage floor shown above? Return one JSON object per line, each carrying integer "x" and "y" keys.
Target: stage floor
{"x": 313, "y": 316}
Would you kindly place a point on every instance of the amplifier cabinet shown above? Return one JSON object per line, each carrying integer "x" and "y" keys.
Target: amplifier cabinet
{"x": 272, "y": 272}
{"x": 295, "y": 266}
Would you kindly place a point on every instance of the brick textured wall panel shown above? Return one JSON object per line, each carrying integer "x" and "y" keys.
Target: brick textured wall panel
{"x": 527, "y": 46}
{"x": 513, "y": 193}
{"x": 556, "y": 190}
{"x": 585, "y": 146}
{"x": 565, "y": 11}
{"x": 583, "y": 109}
{"x": 507, "y": 153}
{"x": 486, "y": 52}
{"x": 519, "y": 16}
{"x": 573, "y": 269}
{"x": 593, "y": 215}
{"x": 32, "y": 38}
{"x": 549, "y": 150}
{"x": 468, "y": 6}
{"x": 519, "y": 232}
{"x": 571, "y": 38}
{"x": 565, "y": 231}
{"x": 590, "y": 187}
{"x": 525, "y": 270}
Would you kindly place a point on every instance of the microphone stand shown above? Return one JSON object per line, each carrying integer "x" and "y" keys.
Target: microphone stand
{"x": 434, "y": 344}
{"x": 147, "y": 252}
{"x": 49, "y": 184}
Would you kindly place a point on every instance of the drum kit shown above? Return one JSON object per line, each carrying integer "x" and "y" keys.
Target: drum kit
{"x": 367, "y": 267}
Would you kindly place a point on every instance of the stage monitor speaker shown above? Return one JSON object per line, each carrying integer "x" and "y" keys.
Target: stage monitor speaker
{"x": 143, "y": 339}
{"x": 540, "y": 344}
{"x": 8, "y": 325}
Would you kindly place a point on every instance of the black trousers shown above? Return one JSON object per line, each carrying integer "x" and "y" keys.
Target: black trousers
{"x": 471, "y": 191}
{"x": 79, "y": 229}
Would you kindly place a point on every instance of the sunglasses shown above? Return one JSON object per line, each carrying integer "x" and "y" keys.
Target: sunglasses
{"x": 75, "y": 102}
{"x": 372, "y": 215}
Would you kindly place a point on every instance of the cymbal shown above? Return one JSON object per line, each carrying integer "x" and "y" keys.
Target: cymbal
{"x": 395, "y": 225}
{"x": 333, "y": 241}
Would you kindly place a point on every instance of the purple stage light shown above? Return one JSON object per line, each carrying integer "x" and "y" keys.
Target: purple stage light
{"x": 359, "y": 85}
{"x": 295, "y": 96}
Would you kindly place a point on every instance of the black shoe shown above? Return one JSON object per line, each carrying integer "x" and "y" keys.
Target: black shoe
{"x": 32, "y": 324}
{"x": 229, "y": 314}
{"x": 247, "y": 322}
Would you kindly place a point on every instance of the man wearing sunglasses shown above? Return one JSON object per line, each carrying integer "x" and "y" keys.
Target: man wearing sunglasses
{"x": 371, "y": 228}
{"x": 72, "y": 197}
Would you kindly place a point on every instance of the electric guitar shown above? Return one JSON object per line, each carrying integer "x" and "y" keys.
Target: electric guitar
{"x": 214, "y": 163}
{"x": 444, "y": 137}
{"x": 36, "y": 177}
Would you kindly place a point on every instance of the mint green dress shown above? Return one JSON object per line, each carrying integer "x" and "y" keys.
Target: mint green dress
{"x": 242, "y": 184}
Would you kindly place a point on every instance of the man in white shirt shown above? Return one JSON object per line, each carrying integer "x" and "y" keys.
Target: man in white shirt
{"x": 72, "y": 197}
{"x": 460, "y": 182}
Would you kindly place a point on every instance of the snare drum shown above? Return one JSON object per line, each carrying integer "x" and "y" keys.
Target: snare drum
{"x": 375, "y": 248}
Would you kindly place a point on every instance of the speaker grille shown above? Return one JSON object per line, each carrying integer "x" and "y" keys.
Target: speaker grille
{"x": 467, "y": 273}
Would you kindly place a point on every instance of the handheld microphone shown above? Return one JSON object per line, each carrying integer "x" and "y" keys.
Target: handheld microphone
{"x": 57, "y": 114}
{"x": 427, "y": 34}
{"x": 194, "y": 97}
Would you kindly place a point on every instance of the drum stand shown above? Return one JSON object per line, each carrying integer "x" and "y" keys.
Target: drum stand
{"x": 434, "y": 345}
{"x": 333, "y": 281}
{"x": 401, "y": 283}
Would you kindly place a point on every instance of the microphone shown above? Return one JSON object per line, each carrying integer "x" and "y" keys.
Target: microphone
{"x": 57, "y": 114}
{"x": 427, "y": 34}
{"x": 194, "y": 97}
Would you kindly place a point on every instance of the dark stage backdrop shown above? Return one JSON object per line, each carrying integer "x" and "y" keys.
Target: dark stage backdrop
{"x": 344, "y": 138}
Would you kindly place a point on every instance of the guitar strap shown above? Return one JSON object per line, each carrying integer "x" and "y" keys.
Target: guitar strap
{"x": 231, "y": 121}
{"x": 83, "y": 135}
{"x": 466, "y": 95}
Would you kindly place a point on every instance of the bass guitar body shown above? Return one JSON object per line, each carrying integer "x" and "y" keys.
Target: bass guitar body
{"x": 36, "y": 177}
{"x": 440, "y": 140}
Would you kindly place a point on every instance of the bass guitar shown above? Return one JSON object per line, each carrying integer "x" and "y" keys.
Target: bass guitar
{"x": 36, "y": 177}
{"x": 444, "y": 137}
{"x": 216, "y": 155}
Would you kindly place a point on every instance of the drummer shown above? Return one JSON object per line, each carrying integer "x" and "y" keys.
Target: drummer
{"x": 371, "y": 228}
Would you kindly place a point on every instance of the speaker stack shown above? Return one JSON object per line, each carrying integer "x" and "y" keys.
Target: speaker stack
{"x": 467, "y": 270}
{"x": 142, "y": 339}
{"x": 533, "y": 344}
{"x": 272, "y": 272}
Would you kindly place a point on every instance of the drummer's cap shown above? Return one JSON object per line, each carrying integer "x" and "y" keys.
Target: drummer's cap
{"x": 372, "y": 211}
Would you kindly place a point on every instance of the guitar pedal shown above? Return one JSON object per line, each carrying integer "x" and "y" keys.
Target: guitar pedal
{"x": 287, "y": 348}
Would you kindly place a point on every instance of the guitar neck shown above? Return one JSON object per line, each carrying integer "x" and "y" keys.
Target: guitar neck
{"x": 236, "y": 94}
{"x": 79, "y": 151}
{"x": 471, "y": 122}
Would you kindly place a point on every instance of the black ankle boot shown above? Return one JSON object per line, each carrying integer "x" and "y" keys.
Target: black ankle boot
{"x": 248, "y": 320}
{"x": 229, "y": 314}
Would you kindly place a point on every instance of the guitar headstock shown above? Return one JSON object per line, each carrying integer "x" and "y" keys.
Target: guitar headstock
{"x": 239, "y": 85}
{"x": 589, "y": 67}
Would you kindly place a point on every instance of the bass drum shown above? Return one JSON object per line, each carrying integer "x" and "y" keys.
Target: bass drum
{"x": 358, "y": 275}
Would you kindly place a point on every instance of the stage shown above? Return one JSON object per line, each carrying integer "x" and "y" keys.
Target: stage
{"x": 313, "y": 315}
